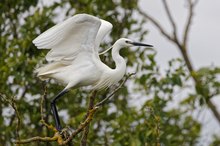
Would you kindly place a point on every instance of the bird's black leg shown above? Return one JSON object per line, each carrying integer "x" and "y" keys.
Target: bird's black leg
{"x": 54, "y": 109}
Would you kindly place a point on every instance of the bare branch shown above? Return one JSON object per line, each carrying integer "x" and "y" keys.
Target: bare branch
{"x": 214, "y": 109}
{"x": 42, "y": 111}
{"x": 182, "y": 46}
{"x": 42, "y": 102}
{"x": 12, "y": 102}
{"x": 170, "y": 18}
{"x": 82, "y": 126}
{"x": 38, "y": 138}
{"x": 90, "y": 114}
{"x": 57, "y": 136}
{"x": 86, "y": 129}
{"x": 189, "y": 21}
{"x": 119, "y": 87}
{"x": 156, "y": 24}
{"x": 93, "y": 110}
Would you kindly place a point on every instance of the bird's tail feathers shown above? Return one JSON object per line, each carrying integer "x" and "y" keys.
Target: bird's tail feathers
{"x": 46, "y": 70}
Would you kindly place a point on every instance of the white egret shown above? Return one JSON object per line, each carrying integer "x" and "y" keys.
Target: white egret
{"x": 74, "y": 58}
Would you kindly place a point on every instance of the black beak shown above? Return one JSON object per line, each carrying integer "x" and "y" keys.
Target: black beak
{"x": 140, "y": 44}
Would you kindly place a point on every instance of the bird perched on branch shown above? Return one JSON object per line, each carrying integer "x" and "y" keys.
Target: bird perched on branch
{"x": 74, "y": 59}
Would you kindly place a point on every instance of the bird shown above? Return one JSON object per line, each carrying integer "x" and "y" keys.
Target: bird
{"x": 73, "y": 59}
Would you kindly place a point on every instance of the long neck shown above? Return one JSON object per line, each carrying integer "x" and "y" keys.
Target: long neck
{"x": 119, "y": 60}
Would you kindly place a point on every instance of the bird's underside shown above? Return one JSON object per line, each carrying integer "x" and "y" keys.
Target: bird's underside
{"x": 87, "y": 72}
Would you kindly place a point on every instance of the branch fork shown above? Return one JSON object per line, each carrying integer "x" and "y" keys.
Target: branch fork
{"x": 64, "y": 137}
{"x": 181, "y": 44}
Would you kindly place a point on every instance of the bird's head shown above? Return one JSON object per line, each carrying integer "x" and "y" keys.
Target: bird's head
{"x": 124, "y": 42}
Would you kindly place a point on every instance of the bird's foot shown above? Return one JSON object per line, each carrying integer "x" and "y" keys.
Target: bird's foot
{"x": 65, "y": 133}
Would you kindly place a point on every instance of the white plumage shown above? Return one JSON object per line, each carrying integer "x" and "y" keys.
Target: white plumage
{"x": 74, "y": 55}
{"x": 74, "y": 58}
{"x": 74, "y": 49}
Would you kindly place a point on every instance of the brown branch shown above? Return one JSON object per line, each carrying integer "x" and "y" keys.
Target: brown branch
{"x": 38, "y": 139}
{"x": 90, "y": 114}
{"x": 86, "y": 129}
{"x": 18, "y": 117}
{"x": 187, "y": 60}
{"x": 183, "y": 46}
{"x": 156, "y": 24}
{"x": 214, "y": 109}
{"x": 93, "y": 110}
{"x": 42, "y": 111}
{"x": 189, "y": 21}
{"x": 57, "y": 137}
{"x": 42, "y": 102}
{"x": 197, "y": 81}
{"x": 82, "y": 126}
{"x": 12, "y": 102}
{"x": 167, "y": 9}
{"x": 119, "y": 87}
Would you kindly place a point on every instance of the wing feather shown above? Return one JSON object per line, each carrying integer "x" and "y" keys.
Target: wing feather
{"x": 104, "y": 29}
{"x": 67, "y": 39}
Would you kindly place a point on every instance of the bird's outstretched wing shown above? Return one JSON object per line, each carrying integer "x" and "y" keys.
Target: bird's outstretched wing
{"x": 71, "y": 37}
{"x": 104, "y": 29}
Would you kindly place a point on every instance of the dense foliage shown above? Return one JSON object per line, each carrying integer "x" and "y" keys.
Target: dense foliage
{"x": 141, "y": 113}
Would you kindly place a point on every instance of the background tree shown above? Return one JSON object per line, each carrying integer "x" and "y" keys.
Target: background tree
{"x": 202, "y": 86}
{"x": 120, "y": 121}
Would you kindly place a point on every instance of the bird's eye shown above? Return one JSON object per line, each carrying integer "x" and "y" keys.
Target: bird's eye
{"x": 128, "y": 42}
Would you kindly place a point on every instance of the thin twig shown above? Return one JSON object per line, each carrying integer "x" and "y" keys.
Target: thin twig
{"x": 57, "y": 136}
{"x": 82, "y": 126}
{"x": 214, "y": 109}
{"x": 167, "y": 9}
{"x": 38, "y": 139}
{"x": 86, "y": 129}
{"x": 93, "y": 110}
{"x": 42, "y": 111}
{"x": 182, "y": 46}
{"x": 108, "y": 97}
{"x": 156, "y": 23}
{"x": 12, "y": 103}
{"x": 18, "y": 117}
{"x": 189, "y": 21}
{"x": 42, "y": 102}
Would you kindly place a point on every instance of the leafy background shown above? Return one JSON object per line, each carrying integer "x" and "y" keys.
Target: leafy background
{"x": 141, "y": 113}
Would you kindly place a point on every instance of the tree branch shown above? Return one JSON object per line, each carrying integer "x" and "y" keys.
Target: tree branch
{"x": 156, "y": 24}
{"x": 182, "y": 46}
{"x": 86, "y": 130}
{"x": 171, "y": 19}
{"x": 82, "y": 125}
{"x": 38, "y": 139}
{"x": 214, "y": 109}
{"x": 57, "y": 137}
{"x": 90, "y": 114}
{"x": 12, "y": 102}
{"x": 42, "y": 111}
{"x": 189, "y": 21}
{"x": 119, "y": 87}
